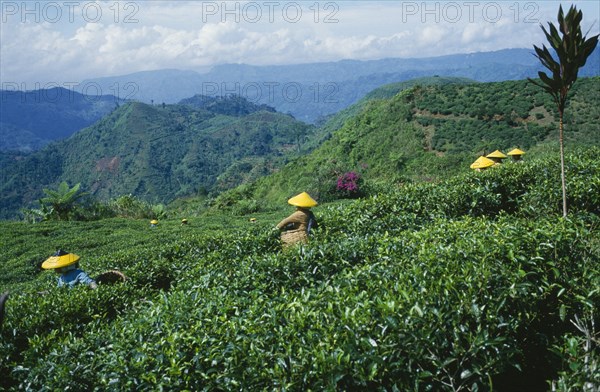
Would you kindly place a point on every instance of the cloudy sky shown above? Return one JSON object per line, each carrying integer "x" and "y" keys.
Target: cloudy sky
{"x": 64, "y": 42}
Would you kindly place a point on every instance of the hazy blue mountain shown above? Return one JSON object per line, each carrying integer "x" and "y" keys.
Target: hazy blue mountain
{"x": 311, "y": 91}
{"x": 31, "y": 119}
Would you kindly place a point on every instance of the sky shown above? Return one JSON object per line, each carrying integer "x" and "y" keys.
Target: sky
{"x": 49, "y": 43}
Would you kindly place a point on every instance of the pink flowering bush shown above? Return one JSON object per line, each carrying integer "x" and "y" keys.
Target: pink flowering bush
{"x": 348, "y": 184}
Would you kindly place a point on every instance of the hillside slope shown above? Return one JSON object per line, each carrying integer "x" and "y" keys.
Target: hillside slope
{"x": 473, "y": 283}
{"x": 337, "y": 120}
{"x": 157, "y": 153}
{"x": 430, "y": 132}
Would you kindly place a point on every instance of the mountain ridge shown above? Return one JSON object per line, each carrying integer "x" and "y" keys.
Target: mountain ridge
{"x": 313, "y": 90}
{"x": 31, "y": 119}
{"x": 154, "y": 152}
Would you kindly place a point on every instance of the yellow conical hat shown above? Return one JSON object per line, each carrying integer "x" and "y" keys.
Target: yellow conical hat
{"x": 516, "y": 151}
{"x": 496, "y": 154}
{"x": 481, "y": 163}
{"x": 303, "y": 200}
{"x": 60, "y": 259}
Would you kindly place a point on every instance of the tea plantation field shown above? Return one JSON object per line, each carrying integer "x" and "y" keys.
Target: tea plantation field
{"x": 473, "y": 283}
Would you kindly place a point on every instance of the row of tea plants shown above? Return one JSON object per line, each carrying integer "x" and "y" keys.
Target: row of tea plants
{"x": 475, "y": 283}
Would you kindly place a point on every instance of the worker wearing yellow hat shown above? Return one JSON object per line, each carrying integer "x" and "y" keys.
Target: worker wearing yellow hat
{"x": 516, "y": 154}
{"x": 296, "y": 227}
{"x": 67, "y": 265}
{"x": 482, "y": 163}
{"x": 496, "y": 156}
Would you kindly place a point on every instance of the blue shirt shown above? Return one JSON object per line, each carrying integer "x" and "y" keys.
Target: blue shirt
{"x": 73, "y": 277}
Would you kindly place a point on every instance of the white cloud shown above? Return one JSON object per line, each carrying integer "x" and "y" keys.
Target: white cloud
{"x": 137, "y": 36}
{"x": 432, "y": 34}
{"x": 87, "y": 35}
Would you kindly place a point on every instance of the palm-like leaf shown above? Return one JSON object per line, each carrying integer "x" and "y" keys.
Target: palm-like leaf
{"x": 63, "y": 199}
{"x": 572, "y": 50}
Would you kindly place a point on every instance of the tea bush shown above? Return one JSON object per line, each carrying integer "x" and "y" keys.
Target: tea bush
{"x": 471, "y": 283}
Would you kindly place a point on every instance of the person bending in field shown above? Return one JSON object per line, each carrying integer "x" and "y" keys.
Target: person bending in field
{"x": 67, "y": 266}
{"x": 296, "y": 227}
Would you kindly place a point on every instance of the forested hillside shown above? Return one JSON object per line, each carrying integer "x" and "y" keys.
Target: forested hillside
{"x": 429, "y": 132}
{"x": 337, "y": 120}
{"x": 158, "y": 153}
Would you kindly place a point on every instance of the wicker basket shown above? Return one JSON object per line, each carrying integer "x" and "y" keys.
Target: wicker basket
{"x": 291, "y": 237}
{"x": 111, "y": 277}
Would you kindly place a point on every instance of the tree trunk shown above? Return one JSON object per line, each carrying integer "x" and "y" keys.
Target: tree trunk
{"x": 562, "y": 164}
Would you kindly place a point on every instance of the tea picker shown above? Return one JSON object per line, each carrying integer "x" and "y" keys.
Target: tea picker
{"x": 67, "y": 266}
{"x": 296, "y": 227}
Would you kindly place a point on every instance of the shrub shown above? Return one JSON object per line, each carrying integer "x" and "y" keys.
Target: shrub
{"x": 349, "y": 185}
{"x": 129, "y": 206}
{"x": 580, "y": 355}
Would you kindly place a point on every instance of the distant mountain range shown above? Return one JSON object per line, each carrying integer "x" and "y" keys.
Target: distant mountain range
{"x": 312, "y": 91}
{"x": 31, "y": 119}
